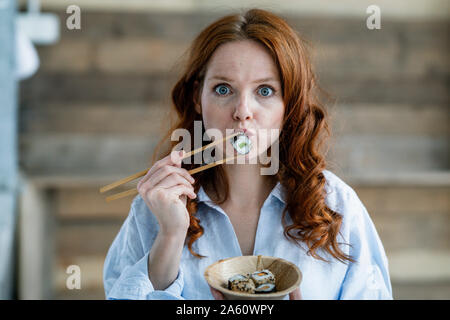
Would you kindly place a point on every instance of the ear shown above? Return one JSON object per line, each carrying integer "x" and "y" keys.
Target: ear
{"x": 197, "y": 97}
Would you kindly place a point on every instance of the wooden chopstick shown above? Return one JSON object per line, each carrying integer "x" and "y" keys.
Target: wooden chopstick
{"x": 119, "y": 195}
{"x": 258, "y": 263}
{"x": 144, "y": 172}
{"x": 123, "y": 181}
{"x": 212, "y": 144}
{"x": 192, "y": 171}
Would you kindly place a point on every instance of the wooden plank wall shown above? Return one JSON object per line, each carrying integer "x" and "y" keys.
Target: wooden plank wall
{"x": 98, "y": 103}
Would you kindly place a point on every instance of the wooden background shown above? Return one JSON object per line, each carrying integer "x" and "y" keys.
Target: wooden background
{"x": 94, "y": 111}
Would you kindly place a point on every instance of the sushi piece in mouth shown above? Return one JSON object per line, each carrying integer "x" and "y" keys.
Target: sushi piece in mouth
{"x": 241, "y": 143}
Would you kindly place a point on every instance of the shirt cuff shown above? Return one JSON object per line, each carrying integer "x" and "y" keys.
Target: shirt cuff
{"x": 135, "y": 284}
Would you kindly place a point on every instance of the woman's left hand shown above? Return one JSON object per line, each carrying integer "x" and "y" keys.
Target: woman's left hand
{"x": 217, "y": 294}
{"x": 294, "y": 295}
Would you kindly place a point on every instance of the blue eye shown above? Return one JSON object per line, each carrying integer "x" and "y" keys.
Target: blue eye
{"x": 265, "y": 91}
{"x": 222, "y": 90}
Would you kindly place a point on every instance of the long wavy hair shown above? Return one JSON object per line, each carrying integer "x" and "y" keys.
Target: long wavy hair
{"x": 303, "y": 131}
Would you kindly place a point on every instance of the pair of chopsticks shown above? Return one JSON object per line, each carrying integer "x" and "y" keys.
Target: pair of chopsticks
{"x": 144, "y": 172}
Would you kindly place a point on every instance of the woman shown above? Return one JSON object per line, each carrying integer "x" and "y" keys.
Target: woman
{"x": 248, "y": 72}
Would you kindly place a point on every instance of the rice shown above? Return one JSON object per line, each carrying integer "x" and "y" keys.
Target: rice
{"x": 241, "y": 143}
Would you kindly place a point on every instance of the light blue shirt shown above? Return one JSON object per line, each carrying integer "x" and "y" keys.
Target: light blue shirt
{"x": 125, "y": 273}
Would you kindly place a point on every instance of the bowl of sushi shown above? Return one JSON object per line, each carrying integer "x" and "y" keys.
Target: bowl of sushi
{"x": 253, "y": 277}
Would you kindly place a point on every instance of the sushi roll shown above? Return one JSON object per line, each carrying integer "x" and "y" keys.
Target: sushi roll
{"x": 235, "y": 279}
{"x": 265, "y": 288}
{"x": 262, "y": 277}
{"x": 241, "y": 283}
{"x": 241, "y": 143}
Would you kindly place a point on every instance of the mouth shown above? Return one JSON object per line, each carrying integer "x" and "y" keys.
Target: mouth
{"x": 242, "y": 143}
{"x": 245, "y": 131}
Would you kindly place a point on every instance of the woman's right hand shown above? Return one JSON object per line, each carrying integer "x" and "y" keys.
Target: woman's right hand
{"x": 165, "y": 189}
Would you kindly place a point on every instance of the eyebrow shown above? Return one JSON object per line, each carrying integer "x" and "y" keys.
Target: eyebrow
{"x": 268, "y": 79}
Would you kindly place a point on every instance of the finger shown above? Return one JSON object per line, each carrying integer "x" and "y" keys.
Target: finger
{"x": 174, "y": 159}
{"x": 171, "y": 194}
{"x": 165, "y": 171}
{"x": 168, "y": 182}
{"x": 180, "y": 190}
{"x": 176, "y": 156}
{"x": 295, "y": 295}
{"x": 171, "y": 180}
{"x": 217, "y": 294}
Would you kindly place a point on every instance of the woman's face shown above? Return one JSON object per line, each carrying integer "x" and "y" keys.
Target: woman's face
{"x": 242, "y": 90}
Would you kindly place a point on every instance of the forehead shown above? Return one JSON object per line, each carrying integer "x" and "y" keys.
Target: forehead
{"x": 242, "y": 60}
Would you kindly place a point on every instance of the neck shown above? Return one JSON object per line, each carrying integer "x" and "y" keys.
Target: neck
{"x": 247, "y": 187}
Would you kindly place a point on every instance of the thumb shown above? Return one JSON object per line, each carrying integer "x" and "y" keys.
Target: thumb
{"x": 183, "y": 199}
{"x": 295, "y": 295}
{"x": 216, "y": 294}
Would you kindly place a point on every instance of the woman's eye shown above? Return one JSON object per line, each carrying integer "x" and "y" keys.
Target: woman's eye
{"x": 222, "y": 90}
{"x": 265, "y": 91}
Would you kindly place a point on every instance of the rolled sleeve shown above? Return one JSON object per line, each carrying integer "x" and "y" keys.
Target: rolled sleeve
{"x": 125, "y": 272}
{"x": 135, "y": 284}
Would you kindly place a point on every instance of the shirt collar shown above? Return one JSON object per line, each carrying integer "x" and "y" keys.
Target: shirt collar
{"x": 278, "y": 192}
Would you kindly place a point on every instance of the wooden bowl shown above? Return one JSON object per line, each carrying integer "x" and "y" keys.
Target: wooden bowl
{"x": 287, "y": 276}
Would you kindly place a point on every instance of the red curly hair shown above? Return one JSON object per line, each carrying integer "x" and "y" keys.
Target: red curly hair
{"x": 304, "y": 124}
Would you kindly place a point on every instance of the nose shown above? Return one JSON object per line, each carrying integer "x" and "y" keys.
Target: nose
{"x": 242, "y": 111}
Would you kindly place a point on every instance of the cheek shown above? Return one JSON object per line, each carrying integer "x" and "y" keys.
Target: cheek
{"x": 278, "y": 116}
{"x": 273, "y": 118}
{"x": 215, "y": 110}
{"x": 208, "y": 118}
{"x": 214, "y": 116}
{"x": 271, "y": 122}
